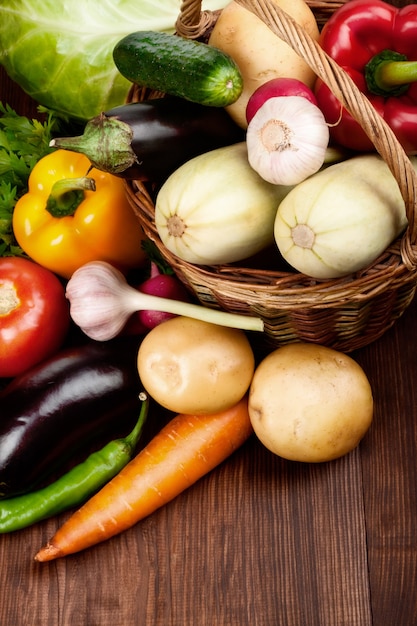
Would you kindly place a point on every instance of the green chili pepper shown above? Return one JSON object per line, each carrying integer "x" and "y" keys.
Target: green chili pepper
{"x": 77, "y": 485}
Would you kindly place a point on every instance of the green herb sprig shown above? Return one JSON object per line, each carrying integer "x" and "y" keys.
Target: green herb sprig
{"x": 23, "y": 142}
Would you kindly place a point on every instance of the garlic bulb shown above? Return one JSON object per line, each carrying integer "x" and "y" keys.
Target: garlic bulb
{"x": 101, "y": 302}
{"x": 287, "y": 139}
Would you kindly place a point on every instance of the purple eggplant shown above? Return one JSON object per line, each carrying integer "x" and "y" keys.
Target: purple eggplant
{"x": 57, "y": 409}
{"x": 148, "y": 140}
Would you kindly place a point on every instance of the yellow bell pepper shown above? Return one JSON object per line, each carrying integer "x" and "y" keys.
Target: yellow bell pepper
{"x": 72, "y": 215}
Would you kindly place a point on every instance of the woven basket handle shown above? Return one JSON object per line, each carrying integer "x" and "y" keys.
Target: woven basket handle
{"x": 192, "y": 22}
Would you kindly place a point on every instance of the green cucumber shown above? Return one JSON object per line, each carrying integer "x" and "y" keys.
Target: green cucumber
{"x": 180, "y": 67}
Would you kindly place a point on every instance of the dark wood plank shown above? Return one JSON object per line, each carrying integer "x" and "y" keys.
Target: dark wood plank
{"x": 258, "y": 547}
{"x": 10, "y": 93}
{"x": 390, "y": 475}
{"x": 260, "y": 541}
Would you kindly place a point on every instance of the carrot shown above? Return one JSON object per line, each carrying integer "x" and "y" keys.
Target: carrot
{"x": 186, "y": 449}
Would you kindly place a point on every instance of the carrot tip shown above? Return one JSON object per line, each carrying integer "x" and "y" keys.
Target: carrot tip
{"x": 47, "y": 553}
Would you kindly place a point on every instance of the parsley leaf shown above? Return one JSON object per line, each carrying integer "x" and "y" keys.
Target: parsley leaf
{"x": 156, "y": 257}
{"x": 23, "y": 142}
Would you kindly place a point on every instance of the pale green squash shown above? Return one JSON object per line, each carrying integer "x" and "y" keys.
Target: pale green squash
{"x": 341, "y": 219}
{"x": 216, "y": 209}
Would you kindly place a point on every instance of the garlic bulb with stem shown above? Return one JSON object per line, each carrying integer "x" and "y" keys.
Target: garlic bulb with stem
{"x": 287, "y": 139}
{"x": 101, "y": 302}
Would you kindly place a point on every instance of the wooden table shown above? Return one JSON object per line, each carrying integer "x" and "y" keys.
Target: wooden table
{"x": 258, "y": 542}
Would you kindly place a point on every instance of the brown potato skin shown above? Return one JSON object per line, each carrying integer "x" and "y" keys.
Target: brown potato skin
{"x": 310, "y": 403}
{"x": 194, "y": 367}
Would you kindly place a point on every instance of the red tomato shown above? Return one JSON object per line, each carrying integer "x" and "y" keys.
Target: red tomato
{"x": 34, "y": 315}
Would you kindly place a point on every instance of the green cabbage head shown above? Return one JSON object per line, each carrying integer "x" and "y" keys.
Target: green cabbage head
{"x": 60, "y": 52}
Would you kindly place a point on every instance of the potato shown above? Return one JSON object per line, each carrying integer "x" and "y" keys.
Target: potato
{"x": 258, "y": 52}
{"x": 189, "y": 366}
{"x": 310, "y": 403}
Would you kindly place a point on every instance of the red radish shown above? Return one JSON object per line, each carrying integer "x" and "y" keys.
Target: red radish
{"x": 164, "y": 286}
{"x": 158, "y": 284}
{"x": 274, "y": 88}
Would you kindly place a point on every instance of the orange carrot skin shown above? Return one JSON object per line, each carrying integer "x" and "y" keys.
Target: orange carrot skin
{"x": 186, "y": 449}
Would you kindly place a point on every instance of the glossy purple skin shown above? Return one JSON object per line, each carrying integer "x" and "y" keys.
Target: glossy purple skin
{"x": 58, "y": 408}
{"x": 167, "y": 132}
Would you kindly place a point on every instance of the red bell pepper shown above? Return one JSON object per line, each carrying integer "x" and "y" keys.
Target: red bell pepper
{"x": 376, "y": 44}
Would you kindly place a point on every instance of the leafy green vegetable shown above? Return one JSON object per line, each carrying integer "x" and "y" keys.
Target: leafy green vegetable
{"x": 60, "y": 52}
{"x": 156, "y": 257}
{"x": 22, "y": 143}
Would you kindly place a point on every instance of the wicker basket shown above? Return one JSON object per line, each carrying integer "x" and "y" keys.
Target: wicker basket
{"x": 345, "y": 313}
